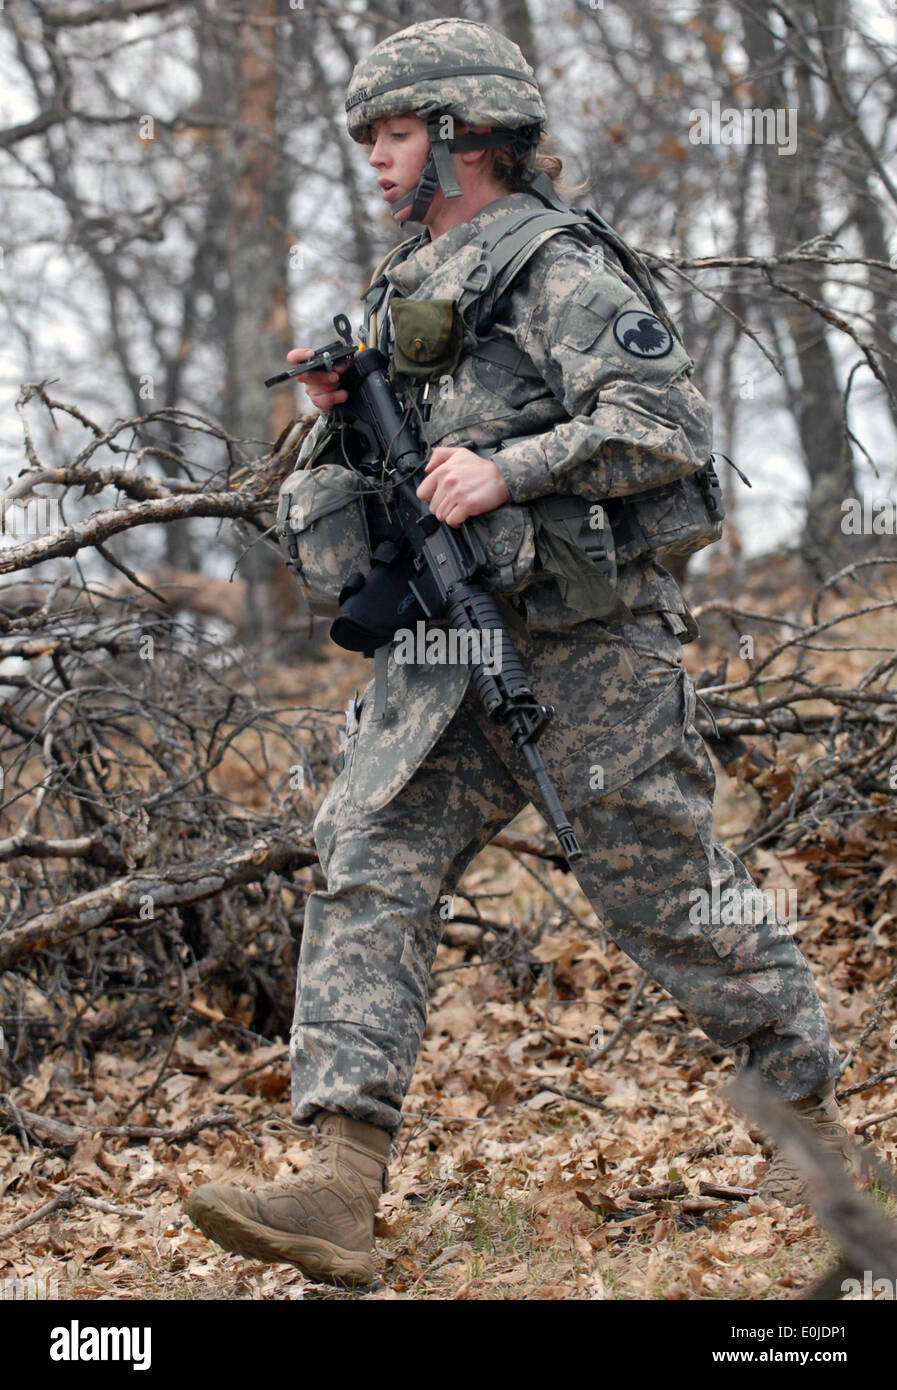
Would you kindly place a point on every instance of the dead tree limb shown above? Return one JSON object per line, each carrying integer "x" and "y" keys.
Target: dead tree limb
{"x": 174, "y": 885}
{"x": 61, "y": 1132}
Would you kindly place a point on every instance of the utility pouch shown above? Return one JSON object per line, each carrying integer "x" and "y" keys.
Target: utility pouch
{"x": 323, "y": 531}
{"x": 575, "y": 546}
{"x": 429, "y": 336}
{"x": 676, "y": 519}
{"x": 507, "y": 536}
{"x": 565, "y": 539}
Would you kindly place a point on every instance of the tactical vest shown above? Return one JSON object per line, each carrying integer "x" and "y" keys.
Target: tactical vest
{"x": 428, "y": 337}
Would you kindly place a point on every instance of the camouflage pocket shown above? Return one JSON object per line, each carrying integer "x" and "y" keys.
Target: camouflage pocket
{"x": 323, "y": 531}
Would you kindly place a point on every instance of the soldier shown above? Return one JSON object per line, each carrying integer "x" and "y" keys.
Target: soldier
{"x": 568, "y": 381}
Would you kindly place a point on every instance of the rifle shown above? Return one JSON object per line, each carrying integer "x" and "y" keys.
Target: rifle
{"x": 444, "y": 561}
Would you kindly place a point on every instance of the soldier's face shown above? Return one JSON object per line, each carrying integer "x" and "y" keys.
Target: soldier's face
{"x": 398, "y": 154}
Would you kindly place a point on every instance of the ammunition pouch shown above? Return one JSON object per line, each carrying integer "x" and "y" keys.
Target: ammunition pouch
{"x": 580, "y": 544}
{"x": 576, "y": 548}
{"x": 566, "y": 539}
{"x": 507, "y": 535}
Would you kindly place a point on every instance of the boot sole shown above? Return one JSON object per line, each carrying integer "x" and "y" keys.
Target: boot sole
{"x": 316, "y": 1258}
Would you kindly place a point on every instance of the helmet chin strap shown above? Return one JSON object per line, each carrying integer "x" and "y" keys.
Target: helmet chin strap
{"x": 438, "y": 172}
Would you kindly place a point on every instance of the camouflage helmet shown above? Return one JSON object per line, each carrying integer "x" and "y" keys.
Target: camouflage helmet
{"x": 452, "y": 67}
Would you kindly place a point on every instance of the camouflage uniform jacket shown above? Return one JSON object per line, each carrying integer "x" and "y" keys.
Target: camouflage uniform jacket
{"x": 602, "y": 422}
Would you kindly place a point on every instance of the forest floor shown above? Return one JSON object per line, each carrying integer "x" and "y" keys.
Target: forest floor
{"x": 501, "y": 1188}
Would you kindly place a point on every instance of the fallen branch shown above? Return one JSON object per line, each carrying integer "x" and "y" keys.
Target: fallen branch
{"x": 62, "y": 1199}
{"x": 876, "y": 1080}
{"x": 62, "y": 1132}
{"x": 112, "y": 1208}
{"x": 871, "y": 1120}
{"x": 259, "y": 1066}
{"x": 174, "y": 886}
{"x": 593, "y": 1102}
{"x": 104, "y": 524}
{"x": 887, "y": 989}
{"x": 91, "y": 848}
{"x": 71, "y": 1197}
{"x": 662, "y": 1190}
{"x": 626, "y": 1021}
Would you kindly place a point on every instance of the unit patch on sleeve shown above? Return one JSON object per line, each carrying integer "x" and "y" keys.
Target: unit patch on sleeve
{"x": 641, "y": 333}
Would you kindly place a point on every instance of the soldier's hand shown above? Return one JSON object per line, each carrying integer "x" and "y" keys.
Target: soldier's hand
{"x": 320, "y": 385}
{"x": 461, "y": 484}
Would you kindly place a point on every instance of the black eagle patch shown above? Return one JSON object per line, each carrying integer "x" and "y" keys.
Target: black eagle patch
{"x": 642, "y": 334}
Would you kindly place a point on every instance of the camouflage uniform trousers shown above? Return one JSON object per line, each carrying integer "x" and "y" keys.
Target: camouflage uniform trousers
{"x": 369, "y": 941}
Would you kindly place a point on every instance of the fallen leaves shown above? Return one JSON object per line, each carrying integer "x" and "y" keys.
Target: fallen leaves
{"x": 502, "y": 1188}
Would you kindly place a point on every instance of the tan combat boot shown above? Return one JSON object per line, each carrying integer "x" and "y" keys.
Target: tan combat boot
{"x": 783, "y": 1180}
{"x": 321, "y": 1220}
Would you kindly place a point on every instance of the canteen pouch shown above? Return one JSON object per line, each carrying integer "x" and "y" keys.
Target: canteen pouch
{"x": 323, "y": 531}
{"x": 428, "y": 337}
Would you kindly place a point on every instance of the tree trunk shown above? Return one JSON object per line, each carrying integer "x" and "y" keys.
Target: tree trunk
{"x": 868, "y": 221}
{"x": 256, "y": 254}
{"x": 516, "y": 22}
{"x": 793, "y": 186}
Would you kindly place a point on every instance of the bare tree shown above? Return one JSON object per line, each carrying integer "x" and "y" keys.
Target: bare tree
{"x": 188, "y": 167}
{"x": 626, "y": 82}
